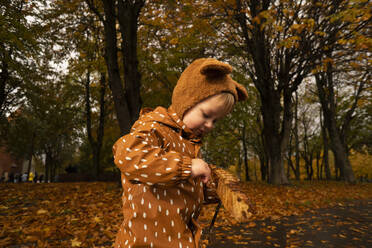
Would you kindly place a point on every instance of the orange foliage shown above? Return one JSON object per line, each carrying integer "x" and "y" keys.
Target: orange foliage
{"x": 89, "y": 214}
{"x": 361, "y": 164}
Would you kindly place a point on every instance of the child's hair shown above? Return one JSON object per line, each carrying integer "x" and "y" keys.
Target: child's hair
{"x": 229, "y": 101}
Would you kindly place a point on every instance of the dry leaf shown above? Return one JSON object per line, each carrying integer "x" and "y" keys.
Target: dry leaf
{"x": 42, "y": 211}
{"x": 75, "y": 243}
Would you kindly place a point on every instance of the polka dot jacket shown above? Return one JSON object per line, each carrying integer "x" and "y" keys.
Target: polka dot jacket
{"x": 161, "y": 201}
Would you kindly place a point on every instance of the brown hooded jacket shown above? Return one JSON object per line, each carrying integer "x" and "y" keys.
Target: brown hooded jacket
{"x": 160, "y": 201}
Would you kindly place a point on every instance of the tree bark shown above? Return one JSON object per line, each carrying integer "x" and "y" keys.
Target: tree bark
{"x": 53, "y": 171}
{"x": 48, "y": 161}
{"x": 291, "y": 166}
{"x": 324, "y": 84}
{"x": 289, "y": 158}
{"x": 264, "y": 167}
{"x": 245, "y": 150}
{"x": 4, "y": 75}
{"x": 239, "y": 165}
{"x": 273, "y": 87}
{"x": 325, "y": 160}
{"x": 307, "y": 155}
{"x": 309, "y": 166}
{"x": 96, "y": 145}
{"x": 318, "y": 169}
{"x": 297, "y": 142}
{"x": 127, "y": 99}
{"x": 273, "y": 138}
{"x": 111, "y": 58}
{"x": 260, "y": 150}
{"x": 100, "y": 131}
{"x": 128, "y": 13}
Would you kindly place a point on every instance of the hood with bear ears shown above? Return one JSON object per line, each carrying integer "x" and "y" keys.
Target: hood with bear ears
{"x": 201, "y": 79}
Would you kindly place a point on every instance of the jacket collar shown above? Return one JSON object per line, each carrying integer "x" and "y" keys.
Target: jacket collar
{"x": 184, "y": 131}
{"x": 170, "y": 118}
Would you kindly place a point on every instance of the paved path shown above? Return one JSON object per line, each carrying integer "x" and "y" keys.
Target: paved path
{"x": 344, "y": 226}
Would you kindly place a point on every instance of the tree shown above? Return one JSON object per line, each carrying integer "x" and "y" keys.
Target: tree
{"x": 47, "y": 125}
{"x": 53, "y": 105}
{"x": 127, "y": 100}
{"x": 325, "y": 160}
{"x": 19, "y": 50}
{"x": 171, "y": 36}
{"x": 96, "y": 144}
{"x": 344, "y": 63}
{"x": 21, "y": 139}
{"x": 82, "y": 34}
{"x": 281, "y": 42}
{"x": 277, "y": 64}
{"x": 25, "y": 52}
{"x": 337, "y": 132}
{"x": 296, "y": 169}
{"x": 309, "y": 140}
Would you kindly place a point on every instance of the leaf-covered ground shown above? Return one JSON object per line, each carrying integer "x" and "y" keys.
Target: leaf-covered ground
{"x": 88, "y": 215}
{"x": 346, "y": 225}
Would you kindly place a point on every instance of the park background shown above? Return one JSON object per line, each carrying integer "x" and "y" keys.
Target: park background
{"x": 75, "y": 74}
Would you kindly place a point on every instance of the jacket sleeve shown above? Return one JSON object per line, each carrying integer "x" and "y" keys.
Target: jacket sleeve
{"x": 141, "y": 157}
{"x": 210, "y": 189}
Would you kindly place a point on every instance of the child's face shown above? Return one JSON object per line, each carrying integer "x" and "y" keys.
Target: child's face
{"x": 201, "y": 118}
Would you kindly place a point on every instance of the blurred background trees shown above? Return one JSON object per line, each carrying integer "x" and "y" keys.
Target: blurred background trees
{"x": 74, "y": 75}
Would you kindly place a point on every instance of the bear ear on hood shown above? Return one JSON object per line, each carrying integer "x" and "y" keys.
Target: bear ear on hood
{"x": 242, "y": 92}
{"x": 213, "y": 67}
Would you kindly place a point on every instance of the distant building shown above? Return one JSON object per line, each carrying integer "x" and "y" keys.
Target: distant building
{"x": 10, "y": 165}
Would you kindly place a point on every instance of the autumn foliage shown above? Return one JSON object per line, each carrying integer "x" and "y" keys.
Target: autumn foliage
{"x": 306, "y": 65}
{"x": 89, "y": 214}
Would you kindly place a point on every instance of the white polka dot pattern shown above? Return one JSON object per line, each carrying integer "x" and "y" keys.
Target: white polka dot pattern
{"x": 160, "y": 199}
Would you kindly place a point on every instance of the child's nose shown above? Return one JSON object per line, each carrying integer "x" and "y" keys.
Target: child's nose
{"x": 209, "y": 124}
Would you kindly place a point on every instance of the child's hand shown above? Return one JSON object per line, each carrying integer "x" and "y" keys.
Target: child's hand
{"x": 200, "y": 168}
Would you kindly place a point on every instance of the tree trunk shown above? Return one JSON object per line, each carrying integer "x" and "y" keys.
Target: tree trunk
{"x": 326, "y": 95}
{"x": 297, "y": 142}
{"x": 101, "y": 127}
{"x": 239, "y": 166}
{"x": 263, "y": 168}
{"x": 4, "y": 75}
{"x": 290, "y": 165}
{"x": 262, "y": 155}
{"x": 111, "y": 58}
{"x": 89, "y": 120}
{"x": 128, "y": 13}
{"x": 325, "y": 160}
{"x": 256, "y": 46}
{"x": 308, "y": 158}
{"x": 96, "y": 145}
{"x": 48, "y": 161}
{"x": 318, "y": 169}
{"x": 273, "y": 137}
{"x": 53, "y": 171}
{"x": 311, "y": 166}
{"x": 127, "y": 102}
{"x": 245, "y": 150}
{"x": 307, "y": 170}
{"x": 255, "y": 168}
{"x": 342, "y": 161}
{"x": 289, "y": 159}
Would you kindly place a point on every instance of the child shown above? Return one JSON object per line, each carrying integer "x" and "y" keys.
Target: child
{"x": 163, "y": 177}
